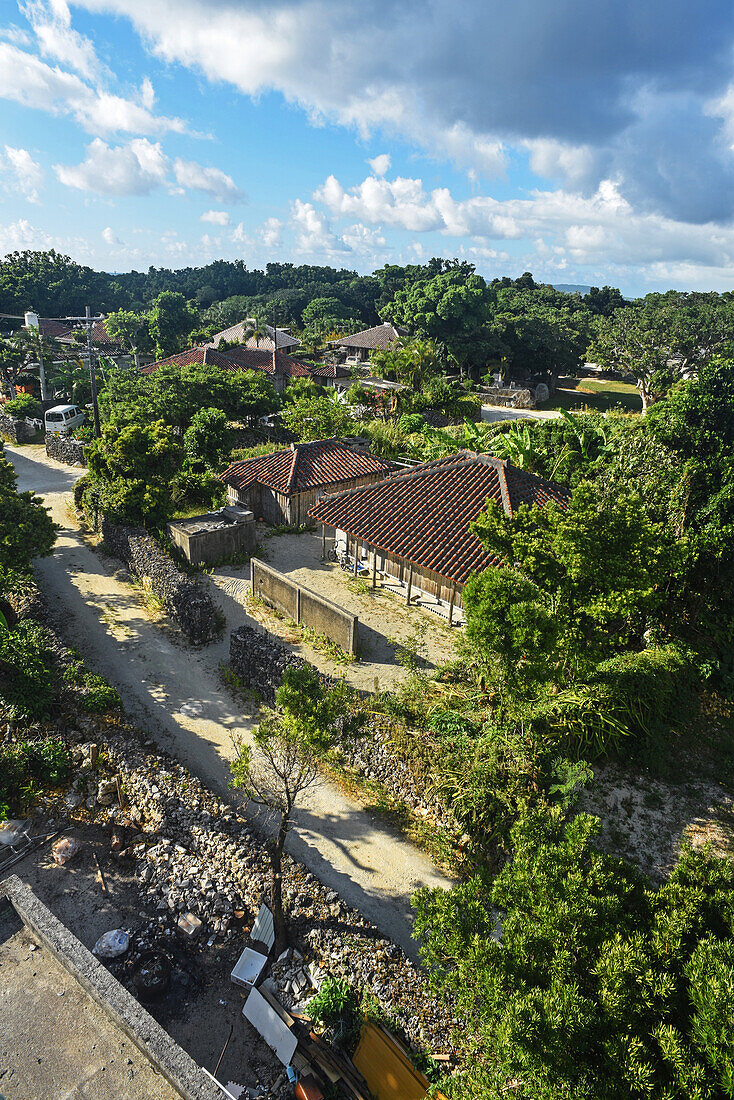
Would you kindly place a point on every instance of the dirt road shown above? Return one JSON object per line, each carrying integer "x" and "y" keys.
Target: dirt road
{"x": 175, "y": 693}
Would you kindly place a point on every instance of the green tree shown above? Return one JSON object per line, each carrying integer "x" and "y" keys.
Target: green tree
{"x": 454, "y": 309}
{"x": 638, "y": 341}
{"x": 171, "y": 321}
{"x": 133, "y": 469}
{"x": 318, "y": 418}
{"x": 206, "y": 438}
{"x": 175, "y": 394}
{"x": 591, "y": 577}
{"x": 130, "y": 330}
{"x": 283, "y": 761}
{"x": 26, "y": 528}
{"x": 574, "y": 978}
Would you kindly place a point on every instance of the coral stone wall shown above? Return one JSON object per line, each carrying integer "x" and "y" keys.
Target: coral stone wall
{"x": 186, "y": 600}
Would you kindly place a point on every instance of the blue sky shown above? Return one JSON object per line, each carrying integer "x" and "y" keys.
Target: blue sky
{"x": 588, "y": 143}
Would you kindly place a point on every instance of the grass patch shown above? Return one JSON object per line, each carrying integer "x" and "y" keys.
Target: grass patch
{"x": 601, "y": 395}
{"x": 298, "y": 632}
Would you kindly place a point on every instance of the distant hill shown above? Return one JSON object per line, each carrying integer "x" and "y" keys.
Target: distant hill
{"x": 571, "y": 288}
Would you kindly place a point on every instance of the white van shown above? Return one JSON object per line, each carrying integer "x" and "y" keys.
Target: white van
{"x": 62, "y": 419}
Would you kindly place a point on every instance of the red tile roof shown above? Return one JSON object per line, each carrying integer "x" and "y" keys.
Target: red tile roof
{"x": 381, "y": 336}
{"x": 304, "y": 466}
{"x": 234, "y": 359}
{"x": 330, "y": 370}
{"x": 53, "y": 330}
{"x": 423, "y": 514}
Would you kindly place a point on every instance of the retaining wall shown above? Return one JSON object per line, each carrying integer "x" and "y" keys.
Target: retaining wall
{"x": 185, "y": 599}
{"x": 17, "y": 431}
{"x": 304, "y": 606}
{"x": 64, "y": 449}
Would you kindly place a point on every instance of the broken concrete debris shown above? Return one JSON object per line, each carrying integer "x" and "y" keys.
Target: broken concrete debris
{"x": 198, "y": 859}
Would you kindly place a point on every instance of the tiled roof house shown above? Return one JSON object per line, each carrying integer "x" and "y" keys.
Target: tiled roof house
{"x": 416, "y": 522}
{"x": 282, "y": 486}
{"x": 238, "y": 359}
{"x": 360, "y": 344}
{"x": 286, "y": 342}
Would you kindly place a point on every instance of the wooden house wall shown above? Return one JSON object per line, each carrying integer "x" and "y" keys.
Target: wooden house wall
{"x": 426, "y": 579}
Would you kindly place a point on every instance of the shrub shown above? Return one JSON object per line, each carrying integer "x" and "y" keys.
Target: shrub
{"x": 99, "y": 696}
{"x": 411, "y": 422}
{"x": 47, "y": 762}
{"x": 633, "y": 695}
{"x": 26, "y": 681}
{"x": 24, "y": 404}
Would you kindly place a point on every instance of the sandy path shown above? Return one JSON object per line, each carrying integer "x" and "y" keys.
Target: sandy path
{"x": 174, "y": 692}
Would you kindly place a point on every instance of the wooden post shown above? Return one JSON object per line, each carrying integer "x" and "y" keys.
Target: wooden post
{"x": 410, "y": 584}
{"x": 374, "y": 568}
{"x": 452, "y": 601}
{"x": 356, "y": 555}
{"x": 323, "y": 542}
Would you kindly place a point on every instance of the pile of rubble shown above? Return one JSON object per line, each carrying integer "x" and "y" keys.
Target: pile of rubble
{"x": 195, "y": 854}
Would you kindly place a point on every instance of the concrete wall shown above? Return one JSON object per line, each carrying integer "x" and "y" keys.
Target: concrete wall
{"x": 304, "y": 606}
{"x": 275, "y": 589}
{"x": 329, "y": 619}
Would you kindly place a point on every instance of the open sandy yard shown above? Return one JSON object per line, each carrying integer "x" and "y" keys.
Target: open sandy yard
{"x": 384, "y": 619}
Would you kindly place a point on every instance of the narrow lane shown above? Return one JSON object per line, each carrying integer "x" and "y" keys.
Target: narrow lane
{"x": 175, "y": 693}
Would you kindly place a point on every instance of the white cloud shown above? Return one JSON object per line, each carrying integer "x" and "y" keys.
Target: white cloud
{"x": 27, "y": 80}
{"x": 25, "y": 172}
{"x": 51, "y": 22}
{"x": 110, "y": 237}
{"x": 380, "y": 165}
{"x": 212, "y": 181}
{"x": 133, "y": 169}
{"x": 314, "y": 235}
{"x": 270, "y": 233}
{"x": 141, "y": 166}
{"x": 215, "y": 217}
{"x": 601, "y": 230}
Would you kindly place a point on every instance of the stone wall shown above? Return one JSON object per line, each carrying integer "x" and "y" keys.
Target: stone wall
{"x": 259, "y": 660}
{"x": 304, "y": 606}
{"x": 509, "y": 397}
{"x": 65, "y": 449}
{"x": 185, "y": 599}
{"x": 17, "y": 431}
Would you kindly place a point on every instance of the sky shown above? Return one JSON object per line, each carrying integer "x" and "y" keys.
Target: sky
{"x": 588, "y": 143}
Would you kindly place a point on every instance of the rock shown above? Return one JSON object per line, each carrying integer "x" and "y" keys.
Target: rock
{"x": 107, "y": 792}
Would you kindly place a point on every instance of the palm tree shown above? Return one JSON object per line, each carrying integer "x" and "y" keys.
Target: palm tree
{"x": 255, "y": 330}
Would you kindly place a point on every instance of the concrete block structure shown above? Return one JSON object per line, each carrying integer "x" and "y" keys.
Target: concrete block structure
{"x": 214, "y": 536}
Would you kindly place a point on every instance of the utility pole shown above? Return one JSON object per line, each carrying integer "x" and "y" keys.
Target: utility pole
{"x": 275, "y": 345}
{"x": 92, "y": 373}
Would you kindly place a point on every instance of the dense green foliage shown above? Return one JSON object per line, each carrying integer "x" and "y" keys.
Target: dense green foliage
{"x": 23, "y": 404}
{"x": 24, "y": 765}
{"x": 26, "y": 528}
{"x": 175, "y": 394}
{"x": 132, "y": 469}
{"x": 580, "y": 980}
